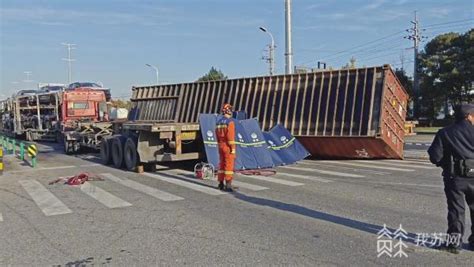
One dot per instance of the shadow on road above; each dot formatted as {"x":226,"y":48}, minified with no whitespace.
{"x":319,"y":215}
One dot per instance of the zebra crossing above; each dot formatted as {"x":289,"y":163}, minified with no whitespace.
{"x":287,"y":176}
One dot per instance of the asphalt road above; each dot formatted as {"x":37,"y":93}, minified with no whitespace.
{"x":313,"y":213}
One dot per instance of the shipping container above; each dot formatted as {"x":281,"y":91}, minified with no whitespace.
{"x":347,"y":113}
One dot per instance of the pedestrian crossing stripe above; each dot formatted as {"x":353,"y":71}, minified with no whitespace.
{"x":32,"y":150}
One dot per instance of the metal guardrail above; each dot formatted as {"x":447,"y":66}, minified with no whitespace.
{"x":9,"y":147}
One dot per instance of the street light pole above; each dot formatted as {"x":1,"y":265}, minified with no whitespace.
{"x":156,"y":71}
{"x":271,"y":51}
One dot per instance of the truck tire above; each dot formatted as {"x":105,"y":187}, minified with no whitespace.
{"x":105,"y":151}
{"x":67,"y":147}
{"x":117,"y":151}
{"x":130,"y":154}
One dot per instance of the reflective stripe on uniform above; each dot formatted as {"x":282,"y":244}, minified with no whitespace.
{"x":221,"y":126}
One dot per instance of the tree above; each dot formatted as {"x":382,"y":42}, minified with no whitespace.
{"x":117,"y":103}
{"x":213,"y":75}
{"x":446,"y":72}
{"x":407,"y":82}
{"x":351,"y":64}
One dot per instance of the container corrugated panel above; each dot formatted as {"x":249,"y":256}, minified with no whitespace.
{"x":351,"y":113}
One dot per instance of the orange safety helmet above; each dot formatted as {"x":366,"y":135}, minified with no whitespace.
{"x":227,"y":109}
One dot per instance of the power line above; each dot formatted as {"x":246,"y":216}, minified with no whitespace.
{"x":448,"y":22}
{"x":355,"y":47}
{"x":392,"y":35}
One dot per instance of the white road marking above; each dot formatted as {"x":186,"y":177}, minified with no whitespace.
{"x":369,"y":166}
{"x":1,"y":217}
{"x":45,"y":168}
{"x":252,"y":187}
{"x":383,"y":162}
{"x":422,"y":162}
{"x":90,"y":165}
{"x":103,"y":196}
{"x":240,"y":184}
{"x":313,"y":163}
{"x":306,"y":177}
{"x":343,"y":174}
{"x":273,"y":180}
{"x":162,"y":195}
{"x":46,"y":201}
{"x":190,"y":185}
{"x":407,"y":184}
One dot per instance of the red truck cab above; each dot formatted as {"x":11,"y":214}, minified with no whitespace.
{"x":83,"y":105}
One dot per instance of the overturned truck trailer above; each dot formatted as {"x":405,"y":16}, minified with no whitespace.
{"x":349,"y":113}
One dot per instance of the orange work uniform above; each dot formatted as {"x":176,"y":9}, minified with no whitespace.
{"x":225,"y":132}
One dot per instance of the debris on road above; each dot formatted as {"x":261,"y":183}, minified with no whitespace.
{"x":77,"y":179}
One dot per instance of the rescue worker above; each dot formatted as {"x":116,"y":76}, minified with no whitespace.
{"x":225,"y":132}
{"x":453,"y":150}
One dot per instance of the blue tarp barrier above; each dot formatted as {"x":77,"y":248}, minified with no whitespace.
{"x":208,"y":123}
{"x":239,"y":115}
{"x":255,"y":149}
{"x":255,"y":140}
{"x":284,"y":147}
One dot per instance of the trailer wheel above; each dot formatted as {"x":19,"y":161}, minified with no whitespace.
{"x":130,"y":154}
{"x":117,"y":151}
{"x":67,"y":147}
{"x":105,"y":149}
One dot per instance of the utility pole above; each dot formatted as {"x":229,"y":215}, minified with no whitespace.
{"x":271,"y":52}
{"x":416,"y":37}
{"x":28,"y":74}
{"x":288,"y":50}
{"x":69,"y":59}
{"x":402,"y":60}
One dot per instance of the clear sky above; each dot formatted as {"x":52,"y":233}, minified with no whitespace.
{"x":184,"y":38}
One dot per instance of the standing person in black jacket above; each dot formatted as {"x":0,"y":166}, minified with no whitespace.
{"x":453,"y":150}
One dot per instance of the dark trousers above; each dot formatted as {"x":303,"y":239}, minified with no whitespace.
{"x":457,"y":190}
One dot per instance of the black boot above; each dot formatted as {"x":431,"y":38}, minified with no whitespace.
{"x":471,"y":245}
{"x":450,"y":248}
{"x":228,"y":187}
{"x":221,"y":186}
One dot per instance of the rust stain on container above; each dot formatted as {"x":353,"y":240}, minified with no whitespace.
{"x":350,"y":113}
